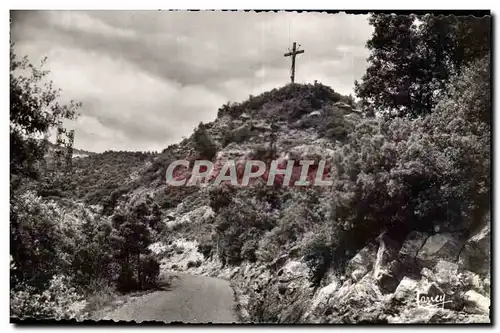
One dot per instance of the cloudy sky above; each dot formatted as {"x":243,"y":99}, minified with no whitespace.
{"x":147,"y":78}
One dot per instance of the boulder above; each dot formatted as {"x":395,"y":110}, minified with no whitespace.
{"x":406,"y":291}
{"x":320,"y":300}
{"x":476,"y":303}
{"x":387,"y":282}
{"x":476,"y":254}
{"x":360,"y":302}
{"x":419,"y":315}
{"x":293,"y":270}
{"x":414,"y":241}
{"x":446,"y":275}
{"x":361,"y":263}
{"x":439,"y":247}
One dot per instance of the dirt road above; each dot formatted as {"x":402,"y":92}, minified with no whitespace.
{"x":191,"y":299}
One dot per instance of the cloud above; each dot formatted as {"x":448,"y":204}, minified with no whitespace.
{"x":147,"y":78}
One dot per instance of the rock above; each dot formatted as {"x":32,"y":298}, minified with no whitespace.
{"x":425,"y":272}
{"x":406,"y":290}
{"x":476,"y":303}
{"x":435,"y":316}
{"x":476,"y":254}
{"x":405,"y":267}
{"x":358,"y":274}
{"x":293,"y":270}
{"x":278,"y":262}
{"x":361,"y":263}
{"x":439,"y":247}
{"x":419,"y":315}
{"x":357,"y":302}
{"x":412,"y":244}
{"x":446,"y":275}
{"x":199,"y":215}
{"x":323,"y":296}
{"x":387,"y":282}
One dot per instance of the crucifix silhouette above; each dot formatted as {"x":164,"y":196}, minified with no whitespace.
{"x":293,"y":53}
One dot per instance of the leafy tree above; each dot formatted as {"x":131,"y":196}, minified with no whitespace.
{"x":34,"y":112}
{"x":130,"y":238}
{"x":204,"y":144}
{"x":413,"y":58}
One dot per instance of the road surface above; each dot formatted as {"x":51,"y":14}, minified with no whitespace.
{"x":191,"y":299}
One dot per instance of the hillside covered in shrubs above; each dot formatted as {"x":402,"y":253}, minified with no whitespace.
{"x":408,"y":210}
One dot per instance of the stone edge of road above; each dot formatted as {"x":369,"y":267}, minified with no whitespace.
{"x":239,"y":307}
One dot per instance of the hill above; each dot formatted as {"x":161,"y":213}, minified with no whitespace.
{"x":292,"y":249}
{"x":307,"y":253}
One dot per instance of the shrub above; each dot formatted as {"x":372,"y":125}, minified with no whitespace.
{"x":203,"y":143}
{"x":206,"y":249}
{"x":150,"y":269}
{"x":58,"y":301}
{"x":318,"y":255}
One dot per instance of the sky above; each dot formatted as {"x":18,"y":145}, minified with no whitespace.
{"x":147,"y":78}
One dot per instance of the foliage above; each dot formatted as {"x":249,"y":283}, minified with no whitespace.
{"x":288,"y":103}
{"x":239,"y":222}
{"x":318,"y":256}
{"x":130,"y":238}
{"x":410,"y":64}
{"x":34,"y":112}
{"x":58,"y":301}
{"x":203,"y":143}
{"x":423,"y":173}
{"x":330,"y":123}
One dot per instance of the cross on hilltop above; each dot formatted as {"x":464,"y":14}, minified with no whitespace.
{"x":293,"y":53}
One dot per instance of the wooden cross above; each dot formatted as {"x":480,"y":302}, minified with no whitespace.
{"x":293,"y":54}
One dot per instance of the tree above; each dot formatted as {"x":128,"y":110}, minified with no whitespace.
{"x":130,"y":238}
{"x":204,"y":144}
{"x":413,"y":58}
{"x":34,"y":112}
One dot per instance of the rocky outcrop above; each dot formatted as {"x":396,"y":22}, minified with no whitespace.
{"x":476,"y":254}
{"x":200,"y":215}
{"x":361,"y":263}
{"x":445,"y":246}
{"x":357,"y":302}
{"x":422,"y":283}
{"x":476,"y":303}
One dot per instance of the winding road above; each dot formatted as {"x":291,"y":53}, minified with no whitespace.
{"x":191,"y":299}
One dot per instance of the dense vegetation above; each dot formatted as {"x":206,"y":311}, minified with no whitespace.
{"x":426,"y":169}
{"x":423,"y":171}
{"x":62,"y":251}
{"x":413,"y":58}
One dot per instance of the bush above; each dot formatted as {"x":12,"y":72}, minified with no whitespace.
{"x":417,"y":174}
{"x":58,"y":301}
{"x":203,"y":143}
{"x":150,"y":269}
{"x":206,"y":249}
{"x":191,"y":263}
{"x":318,"y":255}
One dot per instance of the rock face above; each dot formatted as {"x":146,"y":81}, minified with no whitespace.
{"x":476,"y":303}
{"x":476,"y":254}
{"x":361,"y":263}
{"x":358,"y":302}
{"x":422,"y":283}
{"x":439,"y":247}
{"x":200,"y":215}
{"x":413,"y":244}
